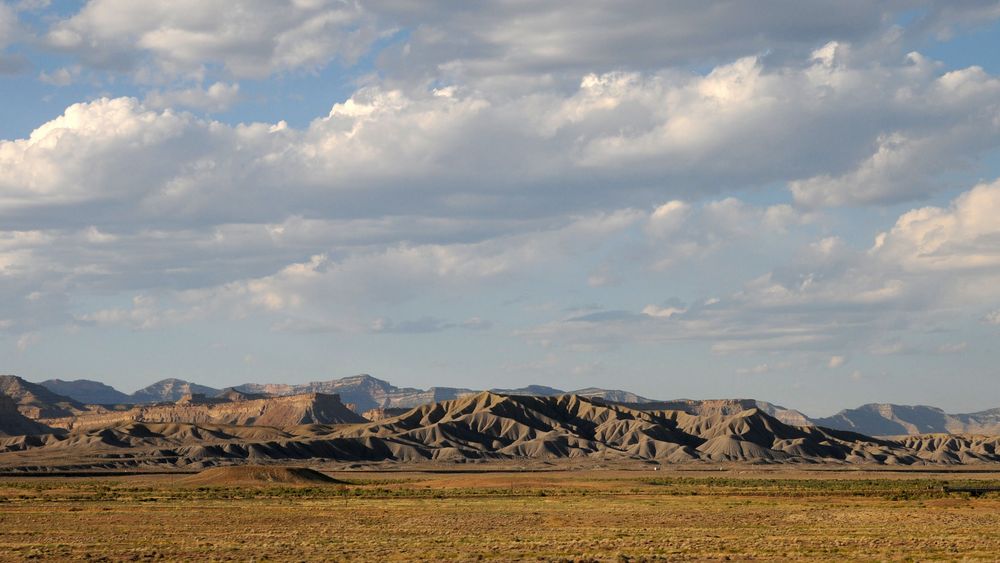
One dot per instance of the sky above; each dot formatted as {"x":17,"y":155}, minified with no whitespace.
{"x":792,"y":201}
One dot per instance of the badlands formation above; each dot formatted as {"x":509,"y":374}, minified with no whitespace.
{"x":240,"y":429}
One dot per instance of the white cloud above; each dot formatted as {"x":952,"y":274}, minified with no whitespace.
{"x":298,"y":296}
{"x":515,"y":44}
{"x":510,"y":46}
{"x":662,"y":312}
{"x":761,"y":369}
{"x":63,"y":76}
{"x":929,"y":270}
{"x":961,"y":237}
{"x":28,"y":340}
{"x":413,"y":186}
{"x":10,"y":32}
{"x":668,"y":218}
{"x":385,"y":151}
{"x":679,"y":231}
{"x":953,"y":348}
{"x":248,"y":38}
{"x":217,"y":97}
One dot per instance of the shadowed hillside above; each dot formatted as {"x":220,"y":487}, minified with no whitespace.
{"x":13,"y":423}
{"x":36,"y":401}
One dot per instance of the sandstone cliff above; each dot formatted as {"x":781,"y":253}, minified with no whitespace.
{"x":293,"y":410}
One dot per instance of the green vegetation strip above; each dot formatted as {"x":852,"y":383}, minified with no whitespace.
{"x":893,"y":489}
{"x":890,"y":489}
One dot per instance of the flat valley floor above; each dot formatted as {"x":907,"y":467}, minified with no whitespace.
{"x":505,"y":513}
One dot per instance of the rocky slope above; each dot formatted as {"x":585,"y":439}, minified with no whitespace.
{"x":725,"y":407}
{"x":489,"y":426}
{"x":35,"y":401}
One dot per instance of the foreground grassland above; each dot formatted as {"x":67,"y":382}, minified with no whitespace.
{"x":558,"y":515}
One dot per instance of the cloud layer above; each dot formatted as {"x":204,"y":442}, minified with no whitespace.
{"x":796,"y":188}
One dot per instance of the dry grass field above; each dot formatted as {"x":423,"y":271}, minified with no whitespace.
{"x":555,"y":515}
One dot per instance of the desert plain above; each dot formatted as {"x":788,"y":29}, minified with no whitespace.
{"x":552,"y":511}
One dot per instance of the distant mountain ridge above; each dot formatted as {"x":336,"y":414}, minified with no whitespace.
{"x":363,"y":391}
{"x":87,"y":391}
{"x":171,"y":390}
{"x":886,"y":419}
{"x":367,"y":393}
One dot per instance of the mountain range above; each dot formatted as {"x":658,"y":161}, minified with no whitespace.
{"x":481,"y":427}
{"x":56,"y":398}
{"x":363,"y":391}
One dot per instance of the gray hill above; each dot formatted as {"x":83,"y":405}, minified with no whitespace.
{"x":365,"y":393}
{"x":87,"y":391}
{"x":368,"y":393}
{"x":885,"y":419}
{"x":169,"y":391}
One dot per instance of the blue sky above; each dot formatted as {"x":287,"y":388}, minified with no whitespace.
{"x":792,"y":202}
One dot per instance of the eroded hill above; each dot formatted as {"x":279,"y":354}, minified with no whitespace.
{"x":235,"y":409}
{"x":482,"y":427}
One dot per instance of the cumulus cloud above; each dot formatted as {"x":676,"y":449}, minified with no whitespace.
{"x":387,"y":152}
{"x":10,"y":32}
{"x":679,"y":232}
{"x":510,"y":46}
{"x":63,"y":76}
{"x":217,"y":97}
{"x":247,"y":38}
{"x":992,"y":318}
{"x":516,"y":44}
{"x":935,"y":263}
{"x":28,"y":340}
{"x":577,"y":132}
{"x":962,"y":237}
{"x":298,"y":295}
{"x":905,"y":164}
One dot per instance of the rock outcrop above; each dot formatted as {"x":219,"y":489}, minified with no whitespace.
{"x":35,"y":401}
{"x":294,"y":410}
{"x":379,"y":413}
